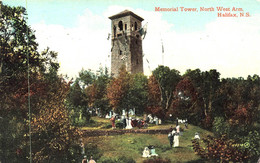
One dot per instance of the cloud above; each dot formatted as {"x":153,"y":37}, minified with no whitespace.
{"x":84,"y":46}
{"x":229,"y":45}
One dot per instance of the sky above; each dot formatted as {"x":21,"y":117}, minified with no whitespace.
{"x":78,"y":31}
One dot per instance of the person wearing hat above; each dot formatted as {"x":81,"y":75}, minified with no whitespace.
{"x":85,"y":160}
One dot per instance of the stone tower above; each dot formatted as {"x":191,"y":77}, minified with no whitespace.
{"x":126,"y":42}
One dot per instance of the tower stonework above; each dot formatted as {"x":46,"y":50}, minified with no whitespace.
{"x":126,"y":42}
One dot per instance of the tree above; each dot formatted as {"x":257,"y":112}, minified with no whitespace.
{"x":206,"y":84}
{"x":52,"y":134}
{"x":20,"y":61}
{"x":128,"y":91}
{"x":117,"y":91}
{"x":165,"y":80}
{"x":138,"y":93}
{"x":97,"y":92}
{"x":240,"y":103}
{"x":186,"y":103}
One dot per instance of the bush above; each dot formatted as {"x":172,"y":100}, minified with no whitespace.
{"x":157,"y":160}
{"x":220,"y":126}
{"x":119,"y":125}
{"x":222,"y":149}
{"x":92,"y":150}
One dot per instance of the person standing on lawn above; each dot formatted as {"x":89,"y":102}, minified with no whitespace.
{"x":176,"y":139}
{"x":170,"y":137}
{"x":113,"y":120}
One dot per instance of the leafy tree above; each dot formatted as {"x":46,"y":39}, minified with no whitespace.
{"x":186,"y":101}
{"x":154,"y":98}
{"x":117,"y":91}
{"x":211,"y":83}
{"x":128,"y":91}
{"x":164,"y":80}
{"x":17,"y":45}
{"x":97,"y":92}
{"x":138,"y":93}
{"x":86,"y":78}
{"x":206,"y":84}
{"x":240,"y":103}
{"x":52,"y":134}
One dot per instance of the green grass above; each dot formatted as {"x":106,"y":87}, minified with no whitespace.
{"x":132,"y":145}
{"x":97,"y":123}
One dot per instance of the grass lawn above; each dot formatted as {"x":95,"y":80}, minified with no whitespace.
{"x":132,"y":145}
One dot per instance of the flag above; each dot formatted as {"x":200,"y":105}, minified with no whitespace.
{"x":143,"y":31}
{"x":162,"y":46}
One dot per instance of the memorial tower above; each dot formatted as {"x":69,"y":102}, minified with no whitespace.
{"x":126,"y":42}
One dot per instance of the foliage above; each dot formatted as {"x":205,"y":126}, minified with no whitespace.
{"x":186,"y":101}
{"x":88,"y":93}
{"x":97,"y":91}
{"x":47,"y":92}
{"x":93,"y":150}
{"x":117,"y":91}
{"x":222,"y":149}
{"x":161,"y":87}
{"x":127,"y":92}
{"x":77,"y":105}
{"x":206,"y":85}
{"x":252,"y":143}
{"x":138,"y":93}
{"x":157,"y":160}
{"x":220,"y":126}
{"x":240,"y":101}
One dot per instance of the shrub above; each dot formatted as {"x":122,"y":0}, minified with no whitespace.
{"x":220,"y":126}
{"x":222,"y":149}
{"x":92,"y":150}
{"x":157,"y":160}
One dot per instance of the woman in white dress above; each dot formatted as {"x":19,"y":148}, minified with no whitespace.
{"x":128,"y":123}
{"x":146,"y":152}
{"x":175,"y":139}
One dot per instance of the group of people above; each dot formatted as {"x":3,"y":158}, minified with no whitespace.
{"x":129,"y":123}
{"x":149,"y":151}
{"x":85,"y":160}
{"x":173,"y":136}
{"x":174,"y":133}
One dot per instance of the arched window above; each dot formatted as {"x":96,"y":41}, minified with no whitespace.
{"x":120,"y":25}
{"x":125,"y":26}
{"x":135,"y":26}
